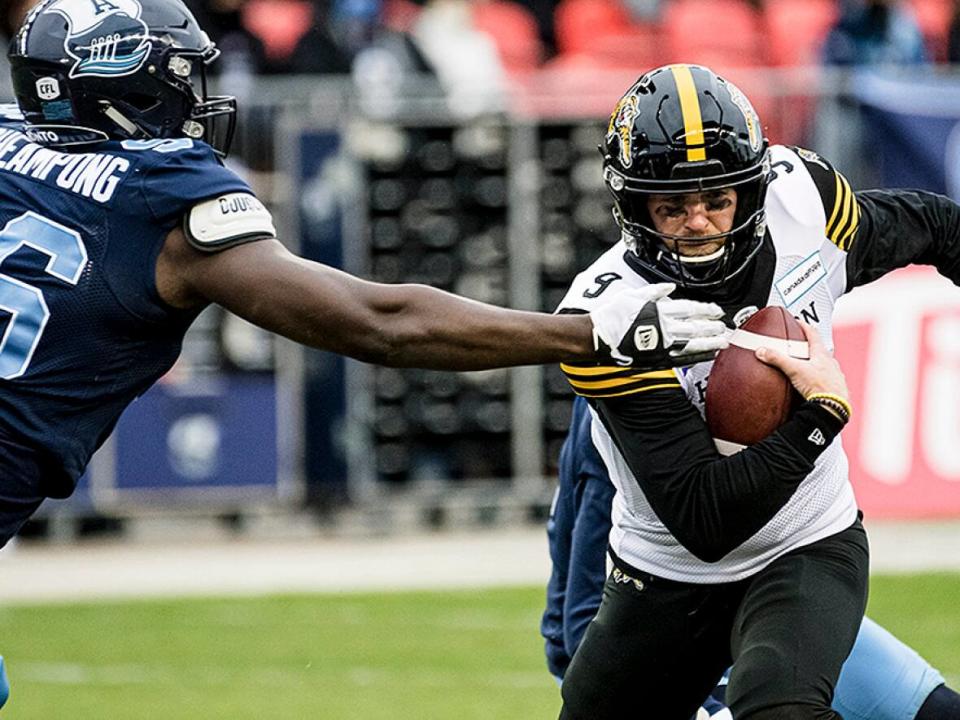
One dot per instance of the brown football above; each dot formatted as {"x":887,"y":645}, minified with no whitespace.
{"x":747,"y":399}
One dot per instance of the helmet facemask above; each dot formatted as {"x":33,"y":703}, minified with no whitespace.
{"x":663,"y":253}
{"x":682,"y":130}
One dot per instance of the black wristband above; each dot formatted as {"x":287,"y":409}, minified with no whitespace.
{"x":811,"y":430}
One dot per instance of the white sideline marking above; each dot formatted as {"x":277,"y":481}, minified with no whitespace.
{"x":438,"y":561}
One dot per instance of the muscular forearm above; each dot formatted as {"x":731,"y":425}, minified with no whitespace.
{"x":424,"y":327}
{"x":397,"y":325}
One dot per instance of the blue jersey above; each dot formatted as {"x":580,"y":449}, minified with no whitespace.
{"x":883,"y":679}
{"x":84,"y":329}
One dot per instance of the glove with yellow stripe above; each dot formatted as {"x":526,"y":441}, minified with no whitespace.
{"x":645,"y":328}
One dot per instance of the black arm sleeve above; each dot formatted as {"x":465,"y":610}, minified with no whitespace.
{"x":900,"y":227}
{"x":711,"y":504}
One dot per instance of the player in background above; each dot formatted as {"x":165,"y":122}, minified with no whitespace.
{"x":119,"y":224}
{"x":759,"y":559}
{"x":883,"y":679}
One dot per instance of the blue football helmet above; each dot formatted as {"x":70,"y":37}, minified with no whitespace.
{"x":85,"y":71}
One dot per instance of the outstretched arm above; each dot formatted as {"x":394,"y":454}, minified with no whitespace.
{"x":397,"y":325}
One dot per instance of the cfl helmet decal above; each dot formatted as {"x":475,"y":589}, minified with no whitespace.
{"x":105,"y":38}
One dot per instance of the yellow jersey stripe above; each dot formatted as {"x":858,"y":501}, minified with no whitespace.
{"x":690,"y":107}
{"x":594,"y":370}
{"x":836,"y":229}
{"x":848,"y":236}
{"x":632,"y":391}
{"x":837,"y":202}
{"x":611,"y":383}
{"x":850,"y":219}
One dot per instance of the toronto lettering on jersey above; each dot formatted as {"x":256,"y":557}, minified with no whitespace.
{"x":91,"y":175}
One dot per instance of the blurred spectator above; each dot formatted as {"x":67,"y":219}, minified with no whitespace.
{"x":243,"y":53}
{"x":338,"y":30}
{"x":465,"y":59}
{"x":953,"y":37}
{"x":874,"y":32}
{"x":12,"y":13}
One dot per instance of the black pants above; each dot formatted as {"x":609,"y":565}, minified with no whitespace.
{"x":657,"y":647}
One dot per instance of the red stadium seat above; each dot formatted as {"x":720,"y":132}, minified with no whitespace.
{"x":513,"y":29}
{"x":278,"y":23}
{"x":796,"y":30}
{"x":578,"y":23}
{"x":933,"y":17}
{"x":717,"y":32}
{"x":603,"y":30}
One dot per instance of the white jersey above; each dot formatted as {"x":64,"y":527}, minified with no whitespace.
{"x":809,"y":278}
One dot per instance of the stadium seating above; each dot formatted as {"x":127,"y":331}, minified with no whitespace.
{"x":278,"y":23}
{"x":933,"y":17}
{"x":796,"y":29}
{"x":603,"y":31}
{"x":714,"y":32}
{"x":514,"y":31}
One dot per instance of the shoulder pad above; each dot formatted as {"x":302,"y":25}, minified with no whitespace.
{"x":840,"y":207}
{"x":226,"y":221}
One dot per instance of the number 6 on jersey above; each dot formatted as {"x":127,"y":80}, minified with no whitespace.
{"x":25,"y":303}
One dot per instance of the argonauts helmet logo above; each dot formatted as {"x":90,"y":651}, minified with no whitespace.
{"x":106,"y":38}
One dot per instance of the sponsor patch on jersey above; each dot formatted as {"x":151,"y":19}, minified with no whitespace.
{"x":105,"y":38}
{"x":227,"y":221}
{"x":621,"y":124}
{"x":800,"y":279}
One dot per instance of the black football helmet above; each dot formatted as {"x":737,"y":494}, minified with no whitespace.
{"x":85,"y":71}
{"x":682,"y":129}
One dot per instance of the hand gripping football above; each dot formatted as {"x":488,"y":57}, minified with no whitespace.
{"x":747,"y":399}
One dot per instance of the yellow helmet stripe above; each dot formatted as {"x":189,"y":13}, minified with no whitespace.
{"x":690,"y":107}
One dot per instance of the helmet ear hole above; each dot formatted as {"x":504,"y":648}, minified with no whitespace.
{"x":140,"y":101}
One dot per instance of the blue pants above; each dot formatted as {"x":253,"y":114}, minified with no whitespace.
{"x":4,"y":685}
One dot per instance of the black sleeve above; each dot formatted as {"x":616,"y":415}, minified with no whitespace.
{"x":882,"y":230}
{"x":900,"y":227}
{"x":711,"y":504}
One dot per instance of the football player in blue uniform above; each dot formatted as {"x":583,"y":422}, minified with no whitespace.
{"x":119,"y":223}
{"x":883,"y":679}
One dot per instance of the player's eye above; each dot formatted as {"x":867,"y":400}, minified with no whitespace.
{"x":719,"y":203}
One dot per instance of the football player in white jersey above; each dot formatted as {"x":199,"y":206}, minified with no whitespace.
{"x":760,"y":557}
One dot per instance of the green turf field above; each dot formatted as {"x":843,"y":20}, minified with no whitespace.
{"x":400,"y":656}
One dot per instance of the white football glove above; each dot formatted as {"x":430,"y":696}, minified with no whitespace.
{"x":645,"y":328}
